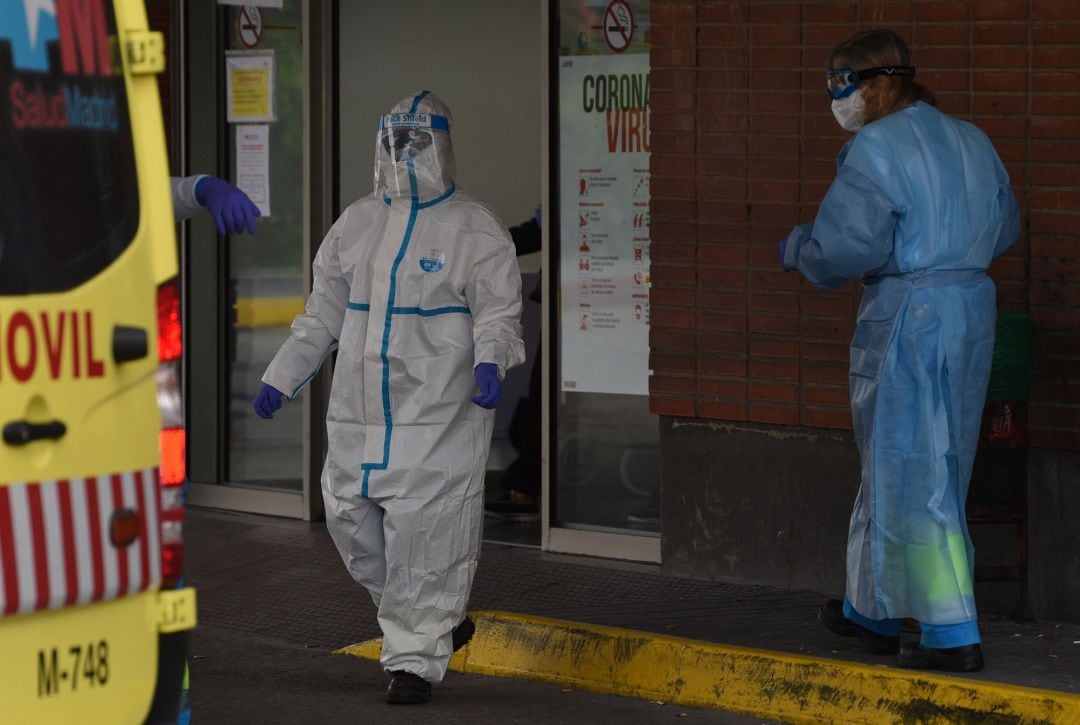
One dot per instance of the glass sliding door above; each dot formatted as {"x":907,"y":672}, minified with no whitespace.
{"x":604,"y":464}
{"x":266,"y":271}
{"x":258,"y":114}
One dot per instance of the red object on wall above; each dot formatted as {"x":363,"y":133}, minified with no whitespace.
{"x":1004,"y":425}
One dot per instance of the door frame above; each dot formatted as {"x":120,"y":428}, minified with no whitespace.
{"x":203,"y":150}
{"x":554,"y":538}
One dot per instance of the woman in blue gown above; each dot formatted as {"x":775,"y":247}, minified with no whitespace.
{"x":920,"y":206}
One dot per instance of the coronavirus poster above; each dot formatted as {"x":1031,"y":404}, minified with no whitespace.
{"x":604,"y":203}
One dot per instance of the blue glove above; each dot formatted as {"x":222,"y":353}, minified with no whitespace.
{"x":783,"y":251}
{"x":487,"y":379}
{"x":267,"y":401}
{"x":231,"y":208}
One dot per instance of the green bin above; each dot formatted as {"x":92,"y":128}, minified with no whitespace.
{"x":1010,"y":373}
{"x":1000,"y":470}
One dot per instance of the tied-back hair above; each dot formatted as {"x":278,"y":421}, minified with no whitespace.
{"x":874,"y":49}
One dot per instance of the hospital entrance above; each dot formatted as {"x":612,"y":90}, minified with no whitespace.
{"x":286,"y":106}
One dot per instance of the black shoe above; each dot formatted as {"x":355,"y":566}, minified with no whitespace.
{"x":950,"y":659}
{"x":515,"y":513}
{"x":831,"y":614}
{"x":407,"y":689}
{"x":463,"y":633}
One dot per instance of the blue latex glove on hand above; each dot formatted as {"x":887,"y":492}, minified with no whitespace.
{"x":783,"y":251}
{"x":487,"y":379}
{"x":231,"y":208}
{"x":267,"y":401}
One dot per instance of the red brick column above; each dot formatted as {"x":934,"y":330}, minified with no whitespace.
{"x":1052,"y":197}
{"x":673,"y":209}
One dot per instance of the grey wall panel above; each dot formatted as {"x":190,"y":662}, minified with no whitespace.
{"x":757,"y":504}
{"x":482,"y":57}
{"x":1054,"y":535}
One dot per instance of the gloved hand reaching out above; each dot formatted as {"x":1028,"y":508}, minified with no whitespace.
{"x":487,"y":379}
{"x":267,"y":401}
{"x":231,"y":208}
{"x":783,"y":251}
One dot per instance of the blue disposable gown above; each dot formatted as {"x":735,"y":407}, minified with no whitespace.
{"x":920,"y":206}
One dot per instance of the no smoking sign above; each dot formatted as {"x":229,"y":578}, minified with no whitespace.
{"x":618,"y":25}
{"x":249,"y":25}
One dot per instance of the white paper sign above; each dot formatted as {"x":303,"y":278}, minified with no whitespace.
{"x":253,"y":164}
{"x":604,"y":198}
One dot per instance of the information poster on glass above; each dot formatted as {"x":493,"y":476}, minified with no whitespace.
{"x":249,"y":86}
{"x":604,"y":200}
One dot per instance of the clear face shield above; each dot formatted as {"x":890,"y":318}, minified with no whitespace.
{"x":413,"y":154}
{"x":405,"y":143}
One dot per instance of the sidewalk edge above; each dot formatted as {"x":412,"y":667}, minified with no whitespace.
{"x":761,"y":683}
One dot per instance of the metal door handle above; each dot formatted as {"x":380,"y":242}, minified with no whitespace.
{"x":21,"y":432}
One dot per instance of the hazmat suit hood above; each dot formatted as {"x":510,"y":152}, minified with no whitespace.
{"x":413,"y":155}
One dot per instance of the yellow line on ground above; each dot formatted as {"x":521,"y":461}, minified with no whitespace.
{"x":766,"y":684}
{"x":267,"y":311}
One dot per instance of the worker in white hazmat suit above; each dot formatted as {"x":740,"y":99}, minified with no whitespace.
{"x":417,"y":285}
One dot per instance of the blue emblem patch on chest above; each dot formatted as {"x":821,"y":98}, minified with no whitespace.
{"x":433,"y":261}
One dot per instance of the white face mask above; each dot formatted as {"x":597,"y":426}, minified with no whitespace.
{"x":848,"y":111}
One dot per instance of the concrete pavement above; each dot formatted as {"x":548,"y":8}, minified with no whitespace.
{"x":274,"y":583}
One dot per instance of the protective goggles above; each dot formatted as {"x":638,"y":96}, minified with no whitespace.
{"x":842,"y":82}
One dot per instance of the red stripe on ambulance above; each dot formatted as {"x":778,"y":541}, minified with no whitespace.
{"x":67,"y":519}
{"x":153,"y":514}
{"x":98,"y":558}
{"x":41,"y":555}
{"x":144,"y":544}
{"x":121,"y":559}
{"x":10,"y":594}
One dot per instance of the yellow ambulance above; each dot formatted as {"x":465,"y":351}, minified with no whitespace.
{"x":92,"y":624}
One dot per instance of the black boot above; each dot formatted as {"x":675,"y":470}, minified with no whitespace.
{"x":950,"y":659}
{"x":831,"y":614}
{"x":407,"y":689}
{"x":463,"y":633}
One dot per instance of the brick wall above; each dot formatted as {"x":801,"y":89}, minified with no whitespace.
{"x":744,"y":146}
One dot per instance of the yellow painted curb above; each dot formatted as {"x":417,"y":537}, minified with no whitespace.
{"x":757,"y":682}
{"x":267,"y":311}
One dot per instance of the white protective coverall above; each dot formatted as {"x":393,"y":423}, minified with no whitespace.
{"x":416,"y":285}
{"x":185,"y":205}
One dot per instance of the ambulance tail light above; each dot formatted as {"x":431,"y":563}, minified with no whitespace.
{"x":172,"y":438}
